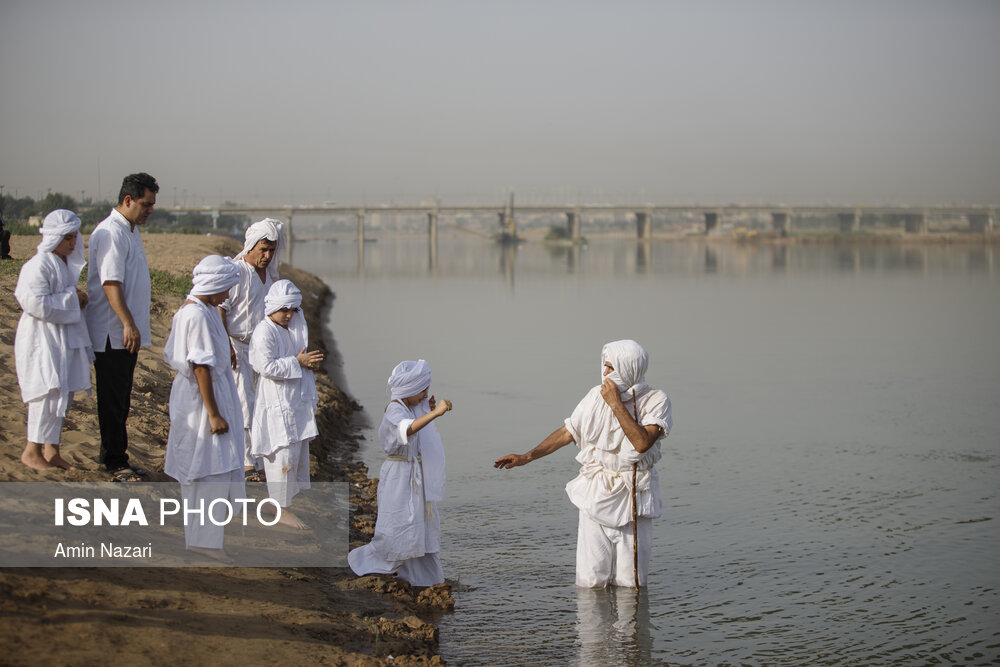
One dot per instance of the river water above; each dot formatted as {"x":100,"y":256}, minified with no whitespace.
{"x":831,"y":482}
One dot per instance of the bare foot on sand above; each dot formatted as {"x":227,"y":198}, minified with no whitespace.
{"x":290,"y":520}
{"x":32,"y":457}
{"x":217,"y":554}
{"x":53,"y":458}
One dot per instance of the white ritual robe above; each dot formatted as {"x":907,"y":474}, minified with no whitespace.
{"x":244,"y":311}
{"x":284,"y":410}
{"x":408,"y":530}
{"x":52,"y":351}
{"x":603,"y":489}
{"x":207,"y":465}
{"x":193,"y":451}
{"x":286,"y":392}
{"x":116,"y":253}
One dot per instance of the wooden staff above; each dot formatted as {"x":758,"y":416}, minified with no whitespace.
{"x":635,"y":509}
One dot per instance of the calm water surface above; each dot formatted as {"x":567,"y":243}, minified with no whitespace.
{"x":831,"y":483}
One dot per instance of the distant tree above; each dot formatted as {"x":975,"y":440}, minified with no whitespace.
{"x":53,"y":201}
{"x":17,"y":209}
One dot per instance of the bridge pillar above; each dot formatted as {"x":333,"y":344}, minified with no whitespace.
{"x":643,"y":228}
{"x":361,"y":241}
{"x":289,"y":239}
{"x":980,"y":223}
{"x":711,"y":221}
{"x":915,"y":223}
{"x":573,"y":224}
{"x":781,"y":222}
{"x":849,"y":222}
{"x":432,"y":237}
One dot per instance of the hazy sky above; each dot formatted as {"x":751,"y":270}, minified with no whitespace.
{"x":870,"y":101}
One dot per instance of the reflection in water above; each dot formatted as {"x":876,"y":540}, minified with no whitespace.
{"x":711,"y":260}
{"x":612,"y":626}
{"x":642,"y":255}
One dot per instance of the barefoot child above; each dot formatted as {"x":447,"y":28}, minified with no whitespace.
{"x":283,"y":421}
{"x":408,"y":530}
{"x":205,"y":445}
{"x":51,"y":347}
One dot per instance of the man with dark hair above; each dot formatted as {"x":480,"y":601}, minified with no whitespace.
{"x":118,"y":315}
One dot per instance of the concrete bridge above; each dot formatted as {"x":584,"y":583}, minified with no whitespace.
{"x":981,"y":219}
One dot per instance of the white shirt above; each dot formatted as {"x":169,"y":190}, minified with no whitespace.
{"x":245,"y":305}
{"x":116,"y":253}
{"x":603,"y":489}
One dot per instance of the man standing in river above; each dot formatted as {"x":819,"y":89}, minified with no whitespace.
{"x":617,"y":426}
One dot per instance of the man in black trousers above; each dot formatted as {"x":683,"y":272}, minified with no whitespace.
{"x":118,"y":315}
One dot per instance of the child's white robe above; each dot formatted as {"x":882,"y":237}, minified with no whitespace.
{"x":52,"y":346}
{"x":284,"y":409}
{"x":197,"y":336}
{"x":285,"y":406}
{"x":407,"y":537}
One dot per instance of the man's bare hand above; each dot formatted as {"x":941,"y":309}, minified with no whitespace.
{"x":510,"y":461}
{"x":610,"y":394}
{"x":131,"y":338}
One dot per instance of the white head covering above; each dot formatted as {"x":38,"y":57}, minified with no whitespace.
{"x":213,"y":275}
{"x":409,"y":378}
{"x":283,"y":294}
{"x":270,"y":229}
{"x":630,"y":361}
{"x":55,"y":227}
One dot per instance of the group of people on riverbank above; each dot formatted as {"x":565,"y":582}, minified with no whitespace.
{"x":244,"y":398}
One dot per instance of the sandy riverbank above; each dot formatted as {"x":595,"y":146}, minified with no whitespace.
{"x":222,"y":616}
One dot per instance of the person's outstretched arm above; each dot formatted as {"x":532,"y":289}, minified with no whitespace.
{"x":556,"y":440}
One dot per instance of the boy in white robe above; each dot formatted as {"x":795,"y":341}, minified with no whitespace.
{"x":617,"y":426}
{"x":205,"y":444}
{"x":52,"y":350}
{"x":407,"y":538}
{"x":283,"y":419}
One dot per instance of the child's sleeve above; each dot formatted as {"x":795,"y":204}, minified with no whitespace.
{"x":265,"y":360}
{"x":392,"y":433}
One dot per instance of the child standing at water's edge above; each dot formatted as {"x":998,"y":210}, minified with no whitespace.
{"x":284,"y":408}
{"x":407,"y":537}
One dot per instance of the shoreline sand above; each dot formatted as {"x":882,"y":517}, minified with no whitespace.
{"x":226,"y":616}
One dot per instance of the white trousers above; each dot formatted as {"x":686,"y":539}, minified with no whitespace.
{"x":201,"y":531}
{"x":604,"y":555}
{"x":246,"y":389}
{"x":45,"y":417}
{"x":287,"y":472}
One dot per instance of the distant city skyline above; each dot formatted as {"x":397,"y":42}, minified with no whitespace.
{"x":775,"y":101}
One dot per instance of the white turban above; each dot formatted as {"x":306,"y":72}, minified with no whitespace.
{"x":54,"y":229}
{"x":409,"y":378}
{"x":214,"y":275}
{"x":629,"y":361}
{"x":283,"y":294}
{"x":270,"y":229}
